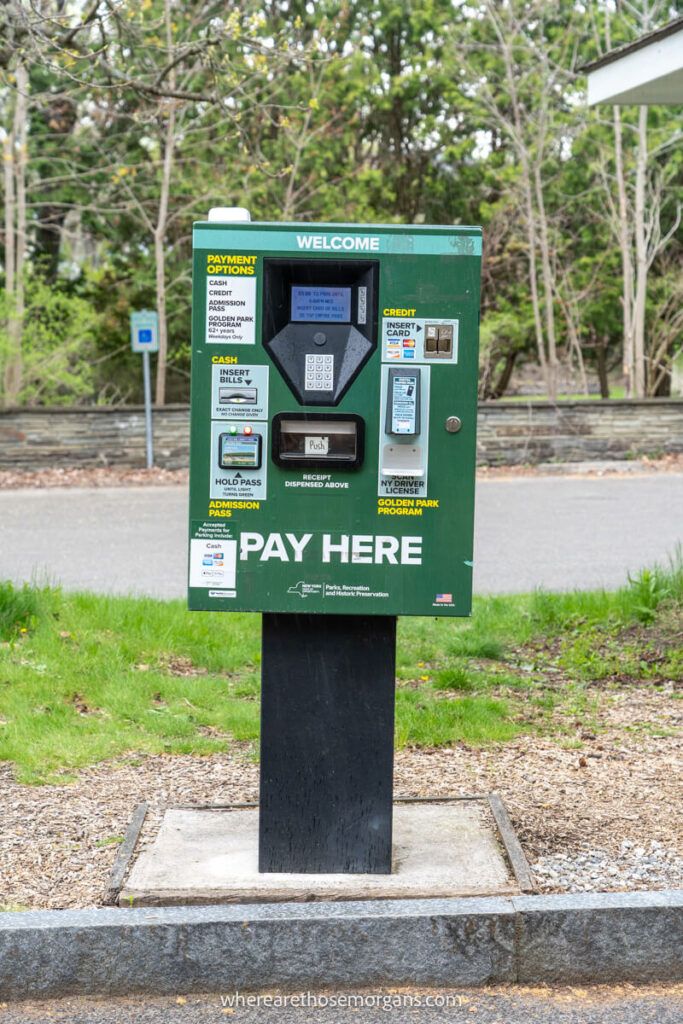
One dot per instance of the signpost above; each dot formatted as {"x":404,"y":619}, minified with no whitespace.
{"x":334,"y":407}
{"x":144,"y":338}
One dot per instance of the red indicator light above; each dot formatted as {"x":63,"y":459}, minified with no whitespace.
{"x":248,"y":430}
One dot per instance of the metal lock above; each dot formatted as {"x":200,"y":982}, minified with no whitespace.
{"x":453,"y":424}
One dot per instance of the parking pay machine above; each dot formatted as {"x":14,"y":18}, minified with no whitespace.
{"x":334,"y":403}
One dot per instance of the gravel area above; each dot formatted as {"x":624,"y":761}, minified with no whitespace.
{"x":575,"y":810}
{"x":632,"y":867}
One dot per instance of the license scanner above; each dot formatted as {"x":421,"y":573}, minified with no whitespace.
{"x":403,"y":402}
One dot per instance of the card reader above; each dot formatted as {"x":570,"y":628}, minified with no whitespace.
{"x":403,"y":402}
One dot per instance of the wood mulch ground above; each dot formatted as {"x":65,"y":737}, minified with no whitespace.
{"x":97,"y":476}
{"x":626,"y":783}
{"x":111,"y":476}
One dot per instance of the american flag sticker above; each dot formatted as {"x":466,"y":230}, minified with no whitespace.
{"x":443,"y":599}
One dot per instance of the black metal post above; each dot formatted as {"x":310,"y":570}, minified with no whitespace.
{"x":327,"y":742}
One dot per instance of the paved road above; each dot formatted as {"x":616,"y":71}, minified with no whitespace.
{"x":554,"y":532}
{"x":506,"y":1006}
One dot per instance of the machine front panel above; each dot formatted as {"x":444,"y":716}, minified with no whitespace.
{"x":327,"y":360}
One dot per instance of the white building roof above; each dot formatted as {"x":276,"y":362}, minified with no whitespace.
{"x":650,"y":70}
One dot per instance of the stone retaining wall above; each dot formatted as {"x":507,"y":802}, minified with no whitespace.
{"x":513,"y":433}
{"x":510,"y":433}
{"x":92,"y":436}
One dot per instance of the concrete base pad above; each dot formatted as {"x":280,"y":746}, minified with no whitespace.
{"x":211,"y":856}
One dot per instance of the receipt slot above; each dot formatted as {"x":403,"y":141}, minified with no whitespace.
{"x":333,"y":445}
{"x":318,"y":441}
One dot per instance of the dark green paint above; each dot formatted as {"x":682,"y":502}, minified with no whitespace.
{"x":438,"y":286}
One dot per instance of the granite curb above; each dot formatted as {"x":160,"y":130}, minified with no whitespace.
{"x":615,"y":937}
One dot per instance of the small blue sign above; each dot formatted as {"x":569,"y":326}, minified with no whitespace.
{"x":144,"y":330}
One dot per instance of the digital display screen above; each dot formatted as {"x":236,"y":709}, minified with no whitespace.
{"x":321,"y":304}
{"x":240,"y":451}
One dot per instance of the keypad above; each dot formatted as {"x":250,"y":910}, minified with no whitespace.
{"x":319,"y":372}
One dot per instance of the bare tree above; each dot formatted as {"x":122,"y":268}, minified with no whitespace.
{"x":15,"y":153}
{"x":623,"y":232}
{"x":206,"y":71}
{"x":522,"y":108}
{"x":620,"y":221}
{"x":636,"y":214}
{"x":169,"y":143}
{"x":30,"y":34}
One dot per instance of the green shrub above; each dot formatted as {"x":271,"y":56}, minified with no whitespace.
{"x":58,"y":353}
{"x":651,"y":588}
{"x":20,"y":609}
{"x":454,"y":678}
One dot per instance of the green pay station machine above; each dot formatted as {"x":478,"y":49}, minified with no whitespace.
{"x":333,"y":443}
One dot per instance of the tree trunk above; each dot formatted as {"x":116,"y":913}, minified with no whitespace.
{"x":161,"y":225}
{"x":17,"y":206}
{"x":639,"y":376}
{"x":59,"y":118}
{"x":548,"y":287}
{"x":503,"y":382}
{"x":528,"y":130}
{"x":601,"y":364}
{"x":162,"y":355}
{"x":533,"y":276}
{"x":575,"y":346}
{"x":10,"y":244}
{"x":623,"y":233}
{"x":626,"y":260}
{"x":662,"y":383}
{"x":572,"y":318}
{"x":289,"y":204}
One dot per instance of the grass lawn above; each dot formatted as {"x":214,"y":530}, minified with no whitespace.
{"x":85,"y":678}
